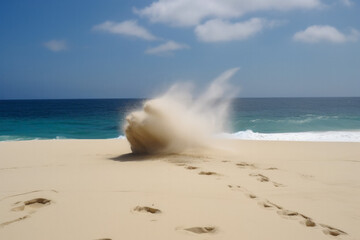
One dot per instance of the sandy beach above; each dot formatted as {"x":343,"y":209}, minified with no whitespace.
{"x":95,"y":189}
{"x":180,"y":120}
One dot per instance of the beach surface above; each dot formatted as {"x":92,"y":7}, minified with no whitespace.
{"x":96,"y":189}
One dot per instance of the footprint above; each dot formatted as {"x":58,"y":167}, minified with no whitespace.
{"x":244,"y":191}
{"x":26,"y":208}
{"x":244,"y":165}
{"x":250,"y":195}
{"x":260,"y":177}
{"x":271,"y":168}
{"x":263,"y":178}
{"x":309,"y":223}
{"x":32,"y":204}
{"x":278,"y":184}
{"x":191,"y":167}
{"x":267,"y":204}
{"x":288,"y":213}
{"x":331,"y":230}
{"x":147,"y":209}
{"x":207,"y":173}
{"x":201,"y":230}
{"x":29,"y":206}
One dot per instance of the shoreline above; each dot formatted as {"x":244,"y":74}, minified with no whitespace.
{"x":95,"y":189}
{"x":276,"y":137}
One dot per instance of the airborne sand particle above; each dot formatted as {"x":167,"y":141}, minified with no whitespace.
{"x":177,"y":120}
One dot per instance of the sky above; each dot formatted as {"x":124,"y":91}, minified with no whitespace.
{"x":129,"y":49}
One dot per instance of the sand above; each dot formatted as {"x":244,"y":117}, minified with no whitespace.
{"x":95,"y":189}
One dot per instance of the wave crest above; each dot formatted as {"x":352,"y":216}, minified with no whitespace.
{"x":329,"y":136}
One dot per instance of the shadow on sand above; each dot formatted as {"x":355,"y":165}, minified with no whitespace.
{"x":132,"y":157}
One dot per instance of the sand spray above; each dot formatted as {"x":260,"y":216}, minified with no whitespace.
{"x":176,"y":120}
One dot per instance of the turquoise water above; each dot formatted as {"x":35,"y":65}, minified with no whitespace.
{"x":251,"y":118}
{"x":280,"y":115}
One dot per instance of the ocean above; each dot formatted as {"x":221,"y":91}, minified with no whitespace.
{"x":291,"y":119}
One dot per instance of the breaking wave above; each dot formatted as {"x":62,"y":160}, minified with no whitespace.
{"x":329,"y":136}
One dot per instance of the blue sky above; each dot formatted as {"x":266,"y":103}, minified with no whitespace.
{"x":121,"y":49}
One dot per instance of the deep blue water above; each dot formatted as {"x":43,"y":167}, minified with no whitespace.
{"x":102,"y":118}
{"x":49,"y":119}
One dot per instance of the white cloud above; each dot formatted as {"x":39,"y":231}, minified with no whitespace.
{"x":166,"y":48}
{"x":218,"y":30}
{"x":192,"y":12}
{"x":325,"y":33}
{"x":129,"y":28}
{"x":56,"y":45}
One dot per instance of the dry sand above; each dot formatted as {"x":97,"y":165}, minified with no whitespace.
{"x":95,"y":189}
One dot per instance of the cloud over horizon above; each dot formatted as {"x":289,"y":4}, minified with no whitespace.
{"x":172,"y":12}
{"x":129,"y":28}
{"x":325,"y":33}
{"x":218,"y":30}
{"x":215,"y":21}
{"x":56,"y":45}
{"x":166,"y":48}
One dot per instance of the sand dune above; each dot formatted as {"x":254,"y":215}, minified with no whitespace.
{"x":95,"y":189}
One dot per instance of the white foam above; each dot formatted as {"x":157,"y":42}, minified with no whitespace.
{"x":9,"y":138}
{"x":330,"y":136}
{"x":60,"y":137}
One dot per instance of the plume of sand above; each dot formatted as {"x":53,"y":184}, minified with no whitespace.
{"x":176,"y":120}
